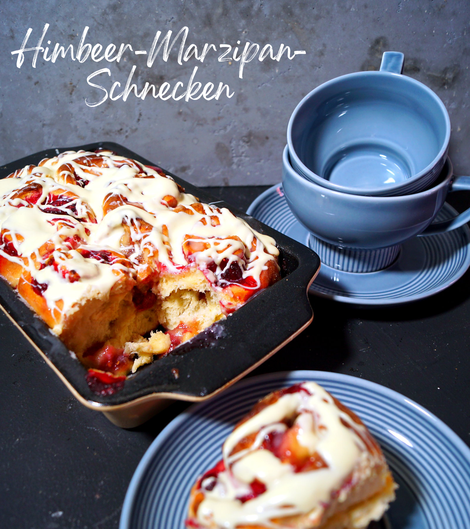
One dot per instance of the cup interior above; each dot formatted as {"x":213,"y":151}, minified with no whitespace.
{"x":368,"y":131}
{"x":367,"y":165}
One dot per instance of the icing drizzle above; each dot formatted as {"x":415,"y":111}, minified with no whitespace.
{"x":78,"y":221}
{"x":281,"y":488}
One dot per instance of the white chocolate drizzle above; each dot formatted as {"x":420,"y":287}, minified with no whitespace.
{"x":323,"y":428}
{"x":151,"y":215}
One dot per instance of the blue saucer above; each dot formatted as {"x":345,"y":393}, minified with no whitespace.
{"x":425,"y":265}
{"x":429,"y":462}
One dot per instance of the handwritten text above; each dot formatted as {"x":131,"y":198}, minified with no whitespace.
{"x":165,"y":46}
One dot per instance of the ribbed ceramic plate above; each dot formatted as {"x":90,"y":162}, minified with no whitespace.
{"x":430,"y":463}
{"x":206,"y":364}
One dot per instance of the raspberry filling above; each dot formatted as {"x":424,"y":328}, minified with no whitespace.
{"x":103,"y":256}
{"x":60,"y":205}
{"x":108,"y":358}
{"x":38,"y":288}
{"x":143,"y":300}
{"x":104,"y":384}
{"x":257,"y":488}
{"x":209,"y":480}
{"x":8,"y":247}
{"x":82,"y":182}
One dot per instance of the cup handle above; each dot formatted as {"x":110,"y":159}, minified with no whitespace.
{"x":460,"y":183}
{"x":392,"y":61}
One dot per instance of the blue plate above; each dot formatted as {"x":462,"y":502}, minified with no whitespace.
{"x":424,"y":266}
{"x":430,"y":463}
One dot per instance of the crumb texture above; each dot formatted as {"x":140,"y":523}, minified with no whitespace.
{"x":119,"y":261}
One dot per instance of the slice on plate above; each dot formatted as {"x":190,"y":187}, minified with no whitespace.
{"x":300,"y":459}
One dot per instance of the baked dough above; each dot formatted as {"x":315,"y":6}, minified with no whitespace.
{"x":299,"y":460}
{"x":119,"y":261}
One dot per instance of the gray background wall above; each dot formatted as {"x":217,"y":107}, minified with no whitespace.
{"x":230,"y":141}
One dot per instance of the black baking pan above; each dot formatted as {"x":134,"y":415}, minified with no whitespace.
{"x":203,"y":366}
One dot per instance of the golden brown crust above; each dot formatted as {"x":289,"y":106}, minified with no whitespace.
{"x":363,"y":494}
{"x":166,"y":260}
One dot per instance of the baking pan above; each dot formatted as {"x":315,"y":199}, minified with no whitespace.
{"x":201,"y":367}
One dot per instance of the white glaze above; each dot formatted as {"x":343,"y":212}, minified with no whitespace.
{"x":321,"y":428}
{"x":30,"y":227}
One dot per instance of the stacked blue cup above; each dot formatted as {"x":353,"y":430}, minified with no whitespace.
{"x":366,"y":167}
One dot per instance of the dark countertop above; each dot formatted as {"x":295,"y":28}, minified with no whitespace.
{"x":65,"y":466}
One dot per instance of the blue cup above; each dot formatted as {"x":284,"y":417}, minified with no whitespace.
{"x":377,"y":133}
{"x":357,"y":233}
